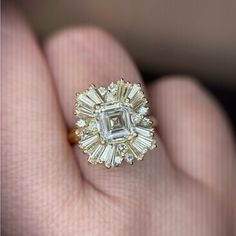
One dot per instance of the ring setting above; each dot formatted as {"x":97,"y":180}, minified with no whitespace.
{"x":113,"y":124}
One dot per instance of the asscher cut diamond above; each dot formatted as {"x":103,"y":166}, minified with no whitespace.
{"x":114,"y":121}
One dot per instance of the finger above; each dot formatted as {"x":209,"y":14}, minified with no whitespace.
{"x":194,"y":131}
{"x":79,"y":57}
{"x":38,"y":169}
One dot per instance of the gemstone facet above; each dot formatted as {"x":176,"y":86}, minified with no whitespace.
{"x":114,"y":123}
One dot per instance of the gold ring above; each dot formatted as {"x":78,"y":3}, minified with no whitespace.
{"x":113,"y":124}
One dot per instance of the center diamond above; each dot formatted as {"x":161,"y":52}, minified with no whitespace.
{"x":114,"y":122}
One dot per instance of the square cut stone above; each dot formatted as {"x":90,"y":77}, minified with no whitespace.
{"x":114,"y":122}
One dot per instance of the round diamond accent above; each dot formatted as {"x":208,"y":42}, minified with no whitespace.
{"x":118,"y":160}
{"x":122,"y":147}
{"x":113,"y":88}
{"x":136,"y":118}
{"x":129,"y":159}
{"x":92,"y":126}
{"x":83,"y":135}
{"x":146,"y":121}
{"x":80,"y":123}
{"x":109,"y":97}
{"x":143,"y":110}
{"x":102,"y":91}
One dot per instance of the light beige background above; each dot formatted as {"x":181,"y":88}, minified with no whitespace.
{"x":165,"y":36}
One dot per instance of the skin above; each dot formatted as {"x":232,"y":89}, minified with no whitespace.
{"x":184,"y":187}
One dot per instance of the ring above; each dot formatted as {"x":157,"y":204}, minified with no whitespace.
{"x":113,"y":124}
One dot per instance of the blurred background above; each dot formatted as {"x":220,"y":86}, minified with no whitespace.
{"x":163,"y":36}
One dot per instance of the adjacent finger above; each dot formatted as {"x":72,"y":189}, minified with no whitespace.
{"x":38,"y":169}
{"x":194,"y":131}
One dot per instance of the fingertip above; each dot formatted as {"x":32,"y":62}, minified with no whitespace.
{"x":100,"y":54}
{"x":177,"y":82}
{"x":81,"y":34}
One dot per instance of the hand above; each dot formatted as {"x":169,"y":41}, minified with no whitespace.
{"x":185,"y":187}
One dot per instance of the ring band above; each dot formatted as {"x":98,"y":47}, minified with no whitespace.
{"x":113,"y":124}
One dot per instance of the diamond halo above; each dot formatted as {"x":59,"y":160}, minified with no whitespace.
{"x":113,"y":124}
